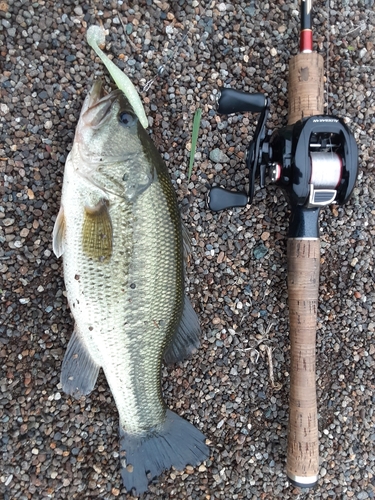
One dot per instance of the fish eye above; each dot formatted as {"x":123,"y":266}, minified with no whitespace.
{"x":126,"y":119}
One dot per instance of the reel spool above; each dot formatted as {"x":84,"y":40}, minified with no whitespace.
{"x":326,"y":174}
{"x":326,"y":170}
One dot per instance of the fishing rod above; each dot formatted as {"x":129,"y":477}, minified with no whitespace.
{"x":314,"y":159}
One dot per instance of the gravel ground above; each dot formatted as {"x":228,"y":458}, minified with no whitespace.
{"x":56,"y":447}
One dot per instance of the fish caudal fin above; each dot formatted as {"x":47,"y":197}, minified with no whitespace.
{"x":144,"y":457}
{"x":186,"y":339}
{"x":79,"y":372}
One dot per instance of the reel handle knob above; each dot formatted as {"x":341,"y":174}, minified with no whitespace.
{"x":221,"y":199}
{"x":235,"y":101}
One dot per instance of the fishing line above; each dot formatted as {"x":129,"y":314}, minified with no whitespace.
{"x":333,"y":164}
{"x":328,"y":37}
{"x":160,"y":70}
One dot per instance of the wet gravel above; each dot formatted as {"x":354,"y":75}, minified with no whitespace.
{"x":56,"y":447}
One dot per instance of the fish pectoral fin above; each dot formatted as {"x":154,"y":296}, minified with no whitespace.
{"x":79,"y":371}
{"x":58,"y":235}
{"x":186,"y":339}
{"x":97,"y":232}
{"x":176,"y":442}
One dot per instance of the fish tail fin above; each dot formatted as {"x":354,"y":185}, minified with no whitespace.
{"x":176,"y":443}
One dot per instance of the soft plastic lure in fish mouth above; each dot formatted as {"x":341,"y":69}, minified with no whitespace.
{"x":95,"y":36}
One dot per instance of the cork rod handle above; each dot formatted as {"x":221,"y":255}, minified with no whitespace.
{"x":303,"y":286}
{"x":305,"y":86}
{"x":306,"y":92}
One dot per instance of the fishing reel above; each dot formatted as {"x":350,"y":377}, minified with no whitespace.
{"x":315,"y":160}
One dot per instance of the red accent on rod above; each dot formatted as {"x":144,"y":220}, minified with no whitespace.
{"x":306,"y":41}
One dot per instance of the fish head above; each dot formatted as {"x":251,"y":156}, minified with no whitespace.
{"x":106,"y":125}
{"x":112,"y":150}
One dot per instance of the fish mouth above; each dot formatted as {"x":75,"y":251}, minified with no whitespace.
{"x":96,"y":93}
{"x":97,"y":106}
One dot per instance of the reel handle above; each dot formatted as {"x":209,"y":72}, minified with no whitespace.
{"x":236,"y":101}
{"x":221,"y":199}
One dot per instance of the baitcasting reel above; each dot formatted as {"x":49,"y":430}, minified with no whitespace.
{"x":315,"y":160}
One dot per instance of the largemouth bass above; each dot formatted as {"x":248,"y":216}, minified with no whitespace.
{"x":120,"y":235}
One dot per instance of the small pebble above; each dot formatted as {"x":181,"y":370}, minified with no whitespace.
{"x":260,"y":251}
{"x":217,"y":156}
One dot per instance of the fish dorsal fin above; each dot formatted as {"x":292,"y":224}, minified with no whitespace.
{"x":58,"y":234}
{"x":97,"y":232}
{"x":186,"y":339}
{"x":79,"y":372}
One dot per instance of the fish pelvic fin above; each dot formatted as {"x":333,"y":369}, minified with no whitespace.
{"x":176,"y":443}
{"x":79,"y":371}
{"x":185,"y":341}
{"x":97,"y":232}
{"x":58,"y":234}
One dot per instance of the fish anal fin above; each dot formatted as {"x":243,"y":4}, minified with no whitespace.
{"x":175,"y":443}
{"x":97,"y":232}
{"x":79,"y":371}
{"x":58,"y":234}
{"x":185,"y":341}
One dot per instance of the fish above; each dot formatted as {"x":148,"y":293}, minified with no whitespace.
{"x":123,"y":247}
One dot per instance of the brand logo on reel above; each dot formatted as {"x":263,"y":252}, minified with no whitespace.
{"x":323,"y":120}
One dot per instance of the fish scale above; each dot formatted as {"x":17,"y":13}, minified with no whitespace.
{"x":120,"y":235}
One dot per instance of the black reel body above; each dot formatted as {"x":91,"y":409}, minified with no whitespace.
{"x":314,"y":160}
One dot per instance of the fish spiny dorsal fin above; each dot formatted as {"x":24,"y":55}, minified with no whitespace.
{"x":97,"y":232}
{"x":59,"y":234}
